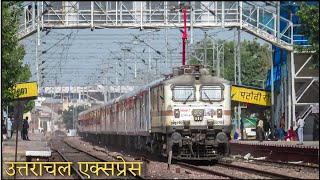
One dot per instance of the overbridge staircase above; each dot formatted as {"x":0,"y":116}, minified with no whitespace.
{"x":305,"y":112}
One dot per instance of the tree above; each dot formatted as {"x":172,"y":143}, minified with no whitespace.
{"x":13,"y":71}
{"x":68,"y":118}
{"x":70,"y":114}
{"x":255,"y":61}
{"x":24,"y":77}
{"x":12,"y":51}
{"x":309,"y":19}
{"x":29,"y":105}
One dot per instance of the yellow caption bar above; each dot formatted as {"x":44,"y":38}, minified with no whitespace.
{"x":252,"y":96}
{"x":85,"y":168}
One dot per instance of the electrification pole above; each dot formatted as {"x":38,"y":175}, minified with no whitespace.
{"x":235,"y":55}
{"x":184,"y":37}
{"x":184,"y":8}
{"x":239,"y":56}
{"x":239,"y":77}
{"x":37,"y":42}
{"x":205,"y":49}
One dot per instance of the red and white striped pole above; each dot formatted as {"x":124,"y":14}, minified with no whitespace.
{"x":184,"y":37}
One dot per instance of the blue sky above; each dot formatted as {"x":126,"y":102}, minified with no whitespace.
{"x":78,"y":57}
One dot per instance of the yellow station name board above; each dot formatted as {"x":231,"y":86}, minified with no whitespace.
{"x":27,"y":90}
{"x":251,"y":96}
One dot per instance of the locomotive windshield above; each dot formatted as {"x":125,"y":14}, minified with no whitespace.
{"x":183,"y":93}
{"x":211,"y":93}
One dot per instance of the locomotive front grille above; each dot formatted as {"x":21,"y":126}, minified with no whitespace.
{"x":198,"y":114}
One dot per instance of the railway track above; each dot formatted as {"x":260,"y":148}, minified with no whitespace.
{"x":221,"y":170}
{"x":234,"y":171}
{"x":208,"y":171}
{"x":152,"y":160}
{"x":75,"y":172}
{"x":257,"y":171}
{"x":75,"y":155}
{"x":274,"y":163}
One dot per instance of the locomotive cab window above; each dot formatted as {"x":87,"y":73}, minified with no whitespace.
{"x":183,"y":93}
{"x":211,"y":93}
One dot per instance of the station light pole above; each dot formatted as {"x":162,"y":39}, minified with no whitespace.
{"x":37,"y":41}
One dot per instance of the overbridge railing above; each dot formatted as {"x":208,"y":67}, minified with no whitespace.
{"x":252,"y":17}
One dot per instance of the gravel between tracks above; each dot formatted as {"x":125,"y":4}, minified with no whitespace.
{"x":158,"y":170}
{"x":155,"y":170}
{"x":76,"y":156}
{"x":233,"y":172}
{"x":304,"y":173}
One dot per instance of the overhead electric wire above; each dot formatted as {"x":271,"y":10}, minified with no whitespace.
{"x":43,"y":52}
{"x":125,"y":64}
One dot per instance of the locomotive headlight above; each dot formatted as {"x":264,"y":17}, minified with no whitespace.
{"x":176,"y":113}
{"x":210,"y":124}
{"x":186,"y":124}
{"x":219,"y":113}
{"x":222,"y":137}
{"x":197,"y":76}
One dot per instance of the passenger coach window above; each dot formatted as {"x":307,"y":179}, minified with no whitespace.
{"x":211,"y":93}
{"x":183,"y":93}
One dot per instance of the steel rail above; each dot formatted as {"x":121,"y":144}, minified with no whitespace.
{"x":240,"y":168}
{"x":259,"y":172}
{"x":75,"y":171}
{"x":268,"y":162}
{"x":192,"y":167}
{"x":100,"y":159}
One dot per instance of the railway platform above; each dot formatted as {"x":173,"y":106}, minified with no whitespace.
{"x":33,"y":150}
{"x":286,"y":151}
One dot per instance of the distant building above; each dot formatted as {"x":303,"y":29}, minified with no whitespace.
{"x":86,"y":93}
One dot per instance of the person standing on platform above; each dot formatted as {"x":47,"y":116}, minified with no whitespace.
{"x":236,"y":135}
{"x":300,"y":130}
{"x":260,"y":130}
{"x":281,"y":133}
{"x":26,"y":127}
{"x":12,"y":128}
{"x":290,"y":134}
{"x":22,"y":130}
{"x":282,"y":120}
{"x":266,"y":128}
{"x":9,"y":128}
{"x":241,"y":136}
{"x":4,"y":132}
{"x":276,"y":133}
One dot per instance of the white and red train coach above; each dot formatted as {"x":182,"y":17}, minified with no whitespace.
{"x":188,"y":113}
